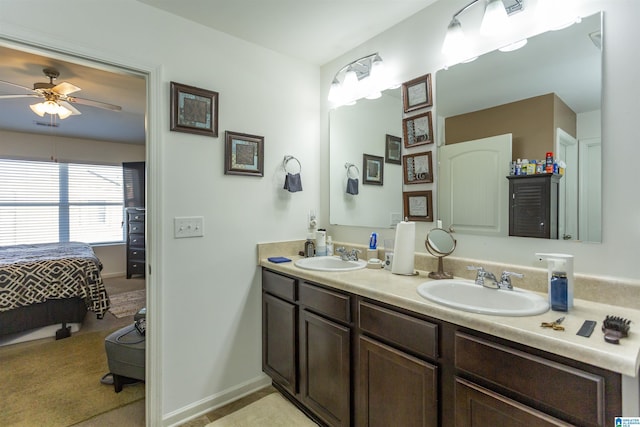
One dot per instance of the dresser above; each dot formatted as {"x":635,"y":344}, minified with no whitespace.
{"x":134,"y":220}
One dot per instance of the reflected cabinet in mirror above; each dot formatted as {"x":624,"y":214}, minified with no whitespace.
{"x":505,"y":106}
{"x":370,"y":129}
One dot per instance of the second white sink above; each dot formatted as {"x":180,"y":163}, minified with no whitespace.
{"x":329,"y":263}
{"x":467,"y":296}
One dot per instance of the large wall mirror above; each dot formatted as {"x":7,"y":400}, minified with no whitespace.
{"x":371,"y":127}
{"x":543,"y":97}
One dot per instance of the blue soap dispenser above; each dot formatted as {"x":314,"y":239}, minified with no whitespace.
{"x":560,"y":280}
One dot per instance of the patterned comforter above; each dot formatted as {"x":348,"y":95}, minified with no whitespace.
{"x":31,"y":274}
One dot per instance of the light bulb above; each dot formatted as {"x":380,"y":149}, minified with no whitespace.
{"x":454,"y":40}
{"x":63,"y":112}
{"x":38,"y":109}
{"x":495,"y":20}
{"x":350,"y":85}
{"x":335,"y":91}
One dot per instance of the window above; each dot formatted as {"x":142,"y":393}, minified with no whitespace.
{"x":44,"y":202}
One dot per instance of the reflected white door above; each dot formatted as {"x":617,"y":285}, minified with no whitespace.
{"x":473,"y":190}
{"x":567,"y":151}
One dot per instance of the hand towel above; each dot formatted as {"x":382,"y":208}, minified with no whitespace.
{"x":292,"y":182}
{"x":352,"y":186}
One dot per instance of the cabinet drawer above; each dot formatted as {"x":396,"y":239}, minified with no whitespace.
{"x":334,"y":304}
{"x":568,"y":391}
{"x":404,"y":331}
{"x":136,"y":240}
{"x":276,"y":284}
{"x":136,"y":254}
{"x":135,"y":267}
{"x":135,"y":216}
{"x":136,"y":227}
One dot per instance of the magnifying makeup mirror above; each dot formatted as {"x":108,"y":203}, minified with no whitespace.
{"x":440,"y":243}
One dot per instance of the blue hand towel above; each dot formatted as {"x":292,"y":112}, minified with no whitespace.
{"x":352,"y":186}
{"x":292,"y":182}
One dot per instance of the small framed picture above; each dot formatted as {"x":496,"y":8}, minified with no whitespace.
{"x":243,"y":154}
{"x":372,"y":169}
{"x":418,"y":205}
{"x":194,"y":110}
{"x":416,"y":93}
{"x":418,"y":130}
{"x":418,"y":168}
{"x":392,"y":150}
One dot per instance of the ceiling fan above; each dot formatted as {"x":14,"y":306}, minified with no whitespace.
{"x":56,"y":97}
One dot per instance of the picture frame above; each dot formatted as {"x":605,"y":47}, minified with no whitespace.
{"x":418,"y":168}
{"x":417,"y":130}
{"x":372,"y":169}
{"x":393,"y":149}
{"x":194,"y":110}
{"x":416,"y":93}
{"x":418,"y":205}
{"x":243,"y":154}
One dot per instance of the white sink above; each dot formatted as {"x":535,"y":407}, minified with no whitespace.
{"x":329,"y":263}
{"x":467,"y":296}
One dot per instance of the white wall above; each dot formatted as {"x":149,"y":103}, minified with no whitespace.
{"x":210,"y":287}
{"x":413,"y":49}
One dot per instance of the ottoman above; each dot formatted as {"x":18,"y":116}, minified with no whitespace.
{"x":125,"y":350}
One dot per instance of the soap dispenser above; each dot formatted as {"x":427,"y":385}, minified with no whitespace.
{"x":559,"y":279}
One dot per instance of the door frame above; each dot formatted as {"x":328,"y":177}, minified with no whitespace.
{"x":19,"y":39}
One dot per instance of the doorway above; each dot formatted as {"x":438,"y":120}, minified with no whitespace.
{"x":90,"y":73}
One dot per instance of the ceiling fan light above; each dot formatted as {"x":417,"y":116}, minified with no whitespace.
{"x":63,"y":112}
{"x":495,"y":20}
{"x":38,"y":109}
{"x":51,"y":107}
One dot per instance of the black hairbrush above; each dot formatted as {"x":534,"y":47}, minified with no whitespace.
{"x":615,"y":328}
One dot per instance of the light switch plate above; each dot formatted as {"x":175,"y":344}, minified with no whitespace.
{"x":188,"y":226}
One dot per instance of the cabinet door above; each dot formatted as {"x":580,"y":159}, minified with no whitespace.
{"x":479,"y":407}
{"x":325,"y":369}
{"x":534,"y":206}
{"x":279,"y":341}
{"x":394,"y":388}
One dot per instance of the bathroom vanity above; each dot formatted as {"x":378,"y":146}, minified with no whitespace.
{"x":363,"y":348}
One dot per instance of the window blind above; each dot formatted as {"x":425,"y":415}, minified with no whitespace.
{"x":45,"y":202}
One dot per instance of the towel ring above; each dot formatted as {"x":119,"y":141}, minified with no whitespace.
{"x":286,"y":161}
{"x":348,"y":167}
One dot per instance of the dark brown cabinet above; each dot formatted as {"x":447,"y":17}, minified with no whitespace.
{"x":306,"y":333}
{"x":135,"y":232}
{"x":348,"y":360}
{"x":533,"y":209}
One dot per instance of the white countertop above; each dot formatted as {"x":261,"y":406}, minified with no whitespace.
{"x":400,"y":291}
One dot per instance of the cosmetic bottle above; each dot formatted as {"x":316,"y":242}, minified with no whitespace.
{"x":329,"y":246}
{"x":309,"y":246}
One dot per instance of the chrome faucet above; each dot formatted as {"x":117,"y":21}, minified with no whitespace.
{"x":345,"y":255}
{"x":505,"y":278}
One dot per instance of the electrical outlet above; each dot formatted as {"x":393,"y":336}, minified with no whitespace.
{"x":188,"y":226}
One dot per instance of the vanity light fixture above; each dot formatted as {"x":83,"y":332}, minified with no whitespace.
{"x":495,"y":21}
{"x":362,"y":78}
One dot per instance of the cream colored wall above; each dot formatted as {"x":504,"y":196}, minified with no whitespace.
{"x":207,"y":311}
{"x":413,"y":49}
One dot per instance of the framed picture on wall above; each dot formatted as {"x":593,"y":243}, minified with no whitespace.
{"x":416,"y":93}
{"x":393,"y":146}
{"x":194,"y":110}
{"x":418,"y":168}
{"x":418,"y":205}
{"x":418,"y":130}
{"x":243,"y":154}
{"x":372,"y":169}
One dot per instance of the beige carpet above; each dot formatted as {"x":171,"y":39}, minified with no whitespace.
{"x":272,"y":411}
{"x":57,"y":383}
{"x":127,"y":303}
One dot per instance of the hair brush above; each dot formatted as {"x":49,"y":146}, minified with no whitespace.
{"x":614,"y":328}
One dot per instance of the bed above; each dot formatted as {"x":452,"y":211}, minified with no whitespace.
{"x":47,"y":284}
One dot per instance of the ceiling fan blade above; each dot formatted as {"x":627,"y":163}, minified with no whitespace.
{"x":92,"y":103}
{"x":19,"y":96}
{"x":28,"y":89}
{"x":74,"y":110}
{"x":65,"y":88}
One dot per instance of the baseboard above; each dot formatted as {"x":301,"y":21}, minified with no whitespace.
{"x":114,"y":274}
{"x":208,"y":404}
